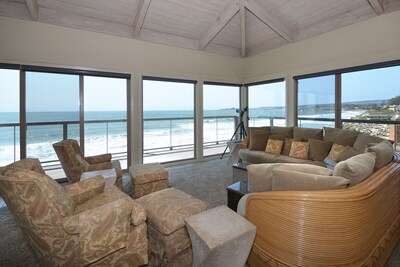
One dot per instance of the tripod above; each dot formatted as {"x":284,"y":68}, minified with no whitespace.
{"x":242,"y":132}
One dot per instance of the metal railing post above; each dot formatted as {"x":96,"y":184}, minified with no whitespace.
{"x":216,"y":131}
{"x":107,"y":137}
{"x":170,"y":134}
{"x":65,"y":130}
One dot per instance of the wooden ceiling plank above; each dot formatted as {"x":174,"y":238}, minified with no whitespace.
{"x":219,"y":24}
{"x":33,"y":9}
{"x":140,"y":16}
{"x":243,"y":28}
{"x":269,"y":20}
{"x":377,"y":5}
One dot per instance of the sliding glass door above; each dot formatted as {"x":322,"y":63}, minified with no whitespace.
{"x":105,"y":113}
{"x":52,"y":113}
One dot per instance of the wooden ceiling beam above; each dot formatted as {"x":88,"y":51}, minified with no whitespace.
{"x":377,"y":5}
{"x":219,"y":24}
{"x":33,"y":9}
{"x":140,"y":16}
{"x":243,"y":27}
{"x":268,"y":19}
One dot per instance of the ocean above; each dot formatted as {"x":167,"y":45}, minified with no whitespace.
{"x":111,"y":137}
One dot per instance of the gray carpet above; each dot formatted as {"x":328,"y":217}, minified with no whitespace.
{"x":207,"y":181}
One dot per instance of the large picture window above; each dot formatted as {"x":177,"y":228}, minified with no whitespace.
{"x":168,"y":120}
{"x":267,"y":103}
{"x":316,"y":102}
{"x":219,"y":117}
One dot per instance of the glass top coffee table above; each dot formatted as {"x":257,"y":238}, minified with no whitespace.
{"x":235,"y":193}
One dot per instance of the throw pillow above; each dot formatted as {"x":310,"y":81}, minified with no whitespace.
{"x":287,"y":132}
{"x":335,"y":151}
{"x":292,"y":180}
{"x":288,"y":145}
{"x":356,"y":168}
{"x":319,"y":149}
{"x":340,"y":136}
{"x":330,"y":164}
{"x":274,"y":146}
{"x":363,"y":140}
{"x":245,"y":142}
{"x":384,"y":153}
{"x":307,"y":133}
{"x":299,"y":150}
{"x":258,"y":139}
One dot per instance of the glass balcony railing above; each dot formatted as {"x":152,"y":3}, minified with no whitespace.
{"x":172,"y":140}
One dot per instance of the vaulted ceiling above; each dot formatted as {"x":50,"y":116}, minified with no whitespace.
{"x":229,"y":27}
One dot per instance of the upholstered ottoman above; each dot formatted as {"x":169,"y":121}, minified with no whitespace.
{"x":148,"y":178}
{"x":169,"y":241}
{"x":220,"y":238}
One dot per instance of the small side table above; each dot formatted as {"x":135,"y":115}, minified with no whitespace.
{"x":220,"y":237}
{"x":235,"y":192}
{"x":234,"y":147}
{"x":239,"y":172}
{"x":109,"y":175}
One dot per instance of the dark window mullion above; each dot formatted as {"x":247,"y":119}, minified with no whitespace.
{"x":338,"y":100}
{"x":81,"y":114}
{"x":22,"y":113}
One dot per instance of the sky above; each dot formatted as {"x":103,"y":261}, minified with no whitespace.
{"x":59,"y":92}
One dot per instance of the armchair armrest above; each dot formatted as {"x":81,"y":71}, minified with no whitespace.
{"x":84,"y":190}
{"x":102,"y":230}
{"x":99,"y":158}
{"x":99,"y":166}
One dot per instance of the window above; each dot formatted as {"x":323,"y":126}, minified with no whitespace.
{"x":9,"y":116}
{"x":316,"y":102}
{"x":168,"y":120}
{"x":219,"y":117}
{"x":52,"y":113}
{"x":105,"y":102}
{"x":372,"y":96}
{"x":267,"y":103}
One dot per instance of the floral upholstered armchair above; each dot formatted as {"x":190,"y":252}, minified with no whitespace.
{"x":77,"y":225}
{"x":74,"y":163}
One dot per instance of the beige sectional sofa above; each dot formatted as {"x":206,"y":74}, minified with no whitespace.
{"x":302,"y":221}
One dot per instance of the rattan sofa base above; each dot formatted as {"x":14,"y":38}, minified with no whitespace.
{"x":358,"y":226}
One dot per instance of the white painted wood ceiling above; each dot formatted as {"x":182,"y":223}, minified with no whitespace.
{"x":230,"y":27}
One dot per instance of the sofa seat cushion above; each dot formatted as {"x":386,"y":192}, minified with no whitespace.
{"x":284,"y":180}
{"x":256,"y":157}
{"x":260,"y":175}
{"x":356,"y":168}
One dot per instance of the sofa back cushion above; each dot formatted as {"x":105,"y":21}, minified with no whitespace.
{"x":293,"y":180}
{"x":356,"y":168}
{"x":258,"y":139}
{"x":319,"y":149}
{"x":363,"y":140}
{"x":308,"y":133}
{"x":340,"y":136}
{"x":383,"y":152}
{"x":287,"y":132}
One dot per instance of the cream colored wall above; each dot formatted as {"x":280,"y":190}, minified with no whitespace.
{"x":43,"y":44}
{"x":371,"y":41}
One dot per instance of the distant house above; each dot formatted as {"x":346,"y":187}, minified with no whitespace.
{"x":393,"y":108}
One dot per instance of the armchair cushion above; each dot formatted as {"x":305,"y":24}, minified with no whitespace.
{"x":84,"y":190}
